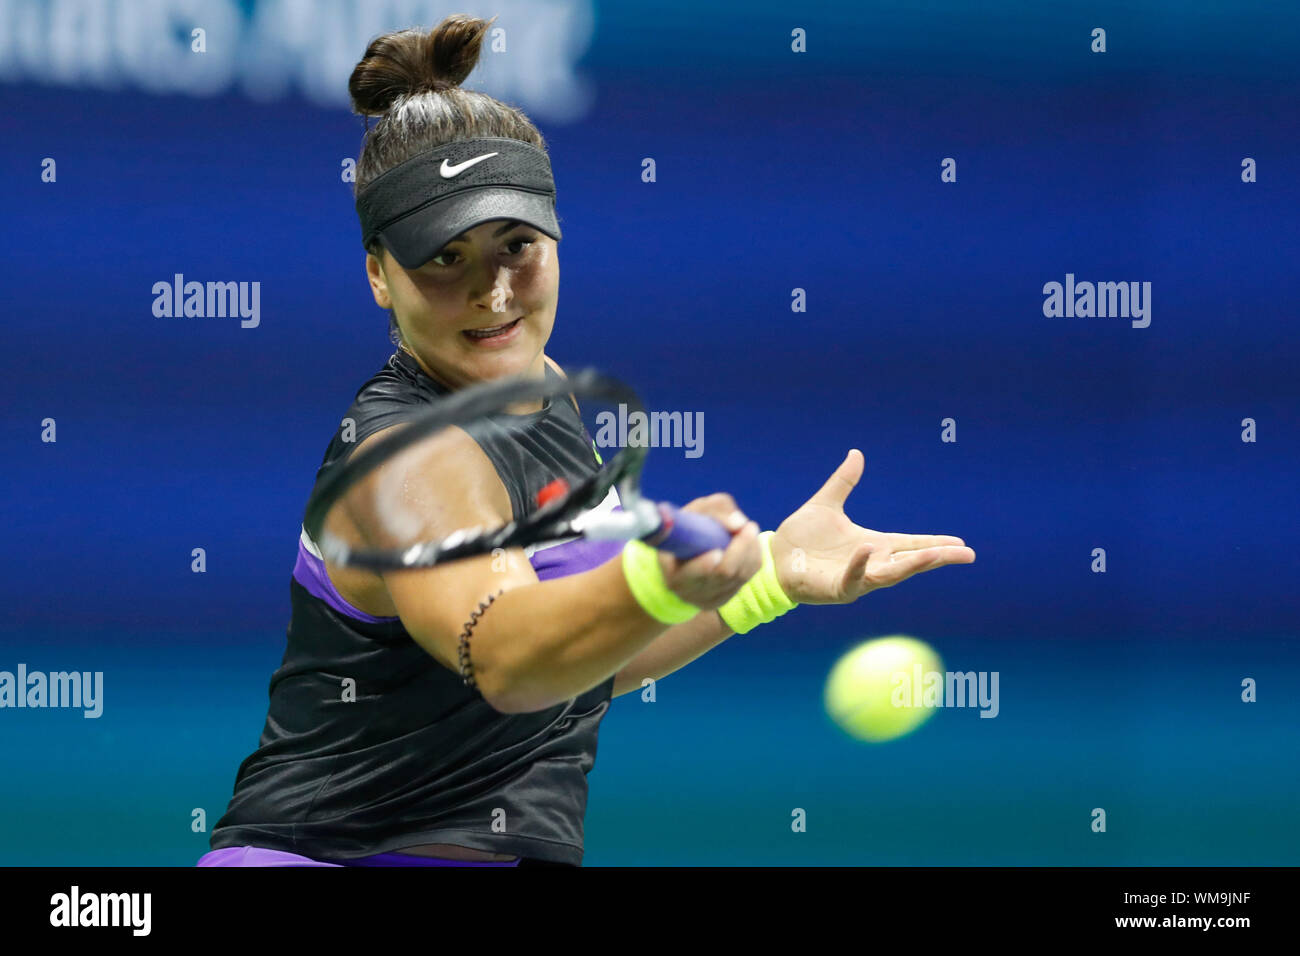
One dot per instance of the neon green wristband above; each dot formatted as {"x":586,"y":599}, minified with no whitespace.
{"x":761,"y":600}
{"x":645,"y":579}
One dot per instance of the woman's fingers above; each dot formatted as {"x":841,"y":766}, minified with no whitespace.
{"x":901,"y":565}
{"x":914,"y":542}
{"x":857,"y":567}
{"x":710,"y":579}
{"x":742,"y":559}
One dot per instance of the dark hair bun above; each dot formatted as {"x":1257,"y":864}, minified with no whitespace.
{"x":409,"y":61}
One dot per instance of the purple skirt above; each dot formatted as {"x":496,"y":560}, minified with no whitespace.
{"x":259,"y":856}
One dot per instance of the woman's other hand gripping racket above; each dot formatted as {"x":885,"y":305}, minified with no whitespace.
{"x":710,"y":579}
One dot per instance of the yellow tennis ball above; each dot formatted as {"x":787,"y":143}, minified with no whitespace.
{"x":875,"y":692}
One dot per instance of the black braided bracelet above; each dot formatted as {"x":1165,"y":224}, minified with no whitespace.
{"x":466,"y":666}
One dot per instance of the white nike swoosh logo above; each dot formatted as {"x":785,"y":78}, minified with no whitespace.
{"x":449,"y":171}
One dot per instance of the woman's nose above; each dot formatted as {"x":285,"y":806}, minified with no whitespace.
{"x":496,"y":291}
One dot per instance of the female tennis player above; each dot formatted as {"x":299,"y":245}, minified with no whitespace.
{"x":422,"y":766}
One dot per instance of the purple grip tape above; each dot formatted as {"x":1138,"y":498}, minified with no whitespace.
{"x":685,"y":534}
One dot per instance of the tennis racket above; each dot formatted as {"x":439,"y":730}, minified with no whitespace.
{"x":379,"y":510}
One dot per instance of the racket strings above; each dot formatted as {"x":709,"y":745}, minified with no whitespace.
{"x":399,"y":503}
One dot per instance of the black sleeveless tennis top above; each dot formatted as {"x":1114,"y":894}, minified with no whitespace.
{"x":418,"y":757}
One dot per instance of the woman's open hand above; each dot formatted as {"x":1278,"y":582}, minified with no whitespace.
{"x":822,"y":557}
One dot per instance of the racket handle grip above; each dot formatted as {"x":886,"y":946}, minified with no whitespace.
{"x":685,"y":534}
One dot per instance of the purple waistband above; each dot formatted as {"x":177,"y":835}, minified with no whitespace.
{"x":260,"y":856}
{"x":406,"y":859}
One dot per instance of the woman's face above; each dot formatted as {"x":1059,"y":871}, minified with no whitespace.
{"x":501,"y":272}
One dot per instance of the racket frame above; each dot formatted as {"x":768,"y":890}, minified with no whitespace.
{"x":567,"y":516}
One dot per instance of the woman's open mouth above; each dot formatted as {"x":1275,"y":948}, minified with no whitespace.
{"x":495,"y":335}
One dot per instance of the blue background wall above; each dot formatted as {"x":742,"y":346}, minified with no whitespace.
{"x":776,"y":170}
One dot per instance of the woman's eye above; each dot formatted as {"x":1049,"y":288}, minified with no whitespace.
{"x":510,"y":246}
